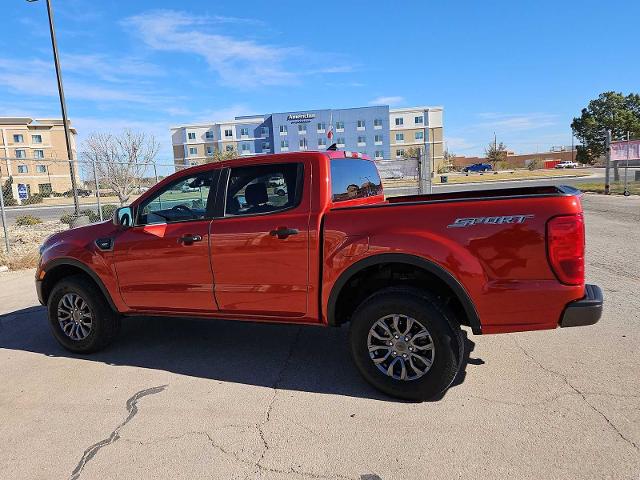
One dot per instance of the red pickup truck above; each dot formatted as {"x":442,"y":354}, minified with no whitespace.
{"x":308,"y":238}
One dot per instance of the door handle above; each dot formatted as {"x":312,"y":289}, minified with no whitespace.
{"x":283,"y":232}
{"x":189,"y":239}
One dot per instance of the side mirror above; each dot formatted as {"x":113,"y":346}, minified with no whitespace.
{"x":123,"y":217}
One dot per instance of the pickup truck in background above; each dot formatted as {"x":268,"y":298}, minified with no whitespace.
{"x":478,"y":167}
{"x":308,"y":238}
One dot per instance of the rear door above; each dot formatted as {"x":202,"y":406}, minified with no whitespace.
{"x":163,"y":261}
{"x":260,"y":241}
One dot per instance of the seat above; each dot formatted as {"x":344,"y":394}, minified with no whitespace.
{"x":256,"y":196}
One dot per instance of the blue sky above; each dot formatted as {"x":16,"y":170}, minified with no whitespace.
{"x":521,"y":69}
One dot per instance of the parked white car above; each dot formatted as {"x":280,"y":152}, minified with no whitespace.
{"x":567,"y":164}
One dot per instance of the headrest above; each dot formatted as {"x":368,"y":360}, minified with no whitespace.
{"x":256,"y":194}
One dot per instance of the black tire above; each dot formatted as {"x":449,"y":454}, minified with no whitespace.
{"x":433,"y":315}
{"x":105,"y":323}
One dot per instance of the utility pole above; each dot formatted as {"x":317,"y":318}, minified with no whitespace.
{"x":607,"y":146}
{"x":63,"y":106}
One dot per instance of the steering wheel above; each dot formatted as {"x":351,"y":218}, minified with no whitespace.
{"x":184,"y":208}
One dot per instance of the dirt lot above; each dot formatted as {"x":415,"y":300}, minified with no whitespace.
{"x":197,"y":399}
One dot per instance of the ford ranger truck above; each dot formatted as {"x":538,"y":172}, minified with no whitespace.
{"x":308,"y":238}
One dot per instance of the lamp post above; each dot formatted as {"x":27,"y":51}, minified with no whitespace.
{"x":63,"y":106}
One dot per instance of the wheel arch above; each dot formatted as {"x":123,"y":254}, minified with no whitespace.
{"x":433,"y":270}
{"x":65,"y":267}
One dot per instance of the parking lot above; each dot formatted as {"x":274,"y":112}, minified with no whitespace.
{"x":186,"y":399}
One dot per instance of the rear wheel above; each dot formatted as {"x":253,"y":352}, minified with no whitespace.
{"x":406,"y":343}
{"x":80,"y":318}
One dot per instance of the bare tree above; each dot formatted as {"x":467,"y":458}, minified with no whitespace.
{"x":221,"y":156}
{"x":120,"y":160}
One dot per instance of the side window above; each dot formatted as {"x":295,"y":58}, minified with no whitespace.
{"x":186,"y":199}
{"x":354,"y":179}
{"x":262,"y":189}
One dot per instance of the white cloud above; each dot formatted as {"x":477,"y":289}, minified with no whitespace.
{"x":455,"y":144}
{"x":392,"y":100}
{"x":237,"y":62}
{"x":506,"y":122}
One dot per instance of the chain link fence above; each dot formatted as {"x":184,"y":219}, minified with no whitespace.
{"x":38,"y":199}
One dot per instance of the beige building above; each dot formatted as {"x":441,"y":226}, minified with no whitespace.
{"x":415,"y":128}
{"x":33,"y":152}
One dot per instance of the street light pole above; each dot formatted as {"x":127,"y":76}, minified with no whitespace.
{"x":63,"y":106}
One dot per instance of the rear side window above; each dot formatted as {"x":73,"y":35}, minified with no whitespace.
{"x":263,"y":189}
{"x":354,"y":178}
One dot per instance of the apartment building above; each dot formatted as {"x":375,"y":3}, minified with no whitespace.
{"x":416,"y":129}
{"x":376,"y":131}
{"x":33,"y":152}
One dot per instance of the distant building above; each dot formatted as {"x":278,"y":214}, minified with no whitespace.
{"x":523,"y":160}
{"x":376,"y":131}
{"x":33,"y":153}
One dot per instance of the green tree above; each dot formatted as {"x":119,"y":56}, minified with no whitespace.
{"x":7,"y":193}
{"x":610,"y":111}
{"x":495,"y":152}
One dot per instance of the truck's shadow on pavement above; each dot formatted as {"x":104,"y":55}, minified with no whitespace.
{"x":310,"y":359}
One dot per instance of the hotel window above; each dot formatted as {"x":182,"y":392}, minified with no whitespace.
{"x":284,"y":144}
{"x":340,"y":141}
{"x":379,"y":154}
{"x":399,"y":137}
{"x":38,"y":154}
{"x":377,"y":123}
{"x":228,"y":132}
{"x":246,"y":148}
{"x":322,"y":142}
{"x":362,"y":141}
{"x":419,"y":135}
{"x":265,"y":131}
{"x":209,"y":134}
{"x":322,"y":127}
{"x":378,"y":139}
{"x":244,"y":132}
{"x":191,"y":135}
{"x":340,"y":126}
{"x":20,"y":154}
{"x":41,"y":168}
{"x":283,"y":130}
{"x":303,"y":144}
{"x":23,"y":169}
{"x":419,"y":119}
{"x":229,"y":148}
{"x":266,"y":145}
{"x":399,"y":121}
{"x":209,"y":150}
{"x":193,"y":151}
{"x":18,"y":139}
{"x":400,"y":153}
{"x":36,"y":138}
{"x":302,"y":129}
{"x":361,"y":125}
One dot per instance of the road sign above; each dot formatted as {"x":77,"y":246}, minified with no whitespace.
{"x":625,"y":150}
{"x":22,"y":191}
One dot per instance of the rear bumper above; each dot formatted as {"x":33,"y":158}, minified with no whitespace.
{"x":585,"y":311}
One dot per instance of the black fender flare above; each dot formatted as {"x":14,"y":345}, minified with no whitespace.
{"x":431,"y":267}
{"x":65,"y":261}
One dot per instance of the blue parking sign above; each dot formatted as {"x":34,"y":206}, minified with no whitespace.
{"x":22,"y":191}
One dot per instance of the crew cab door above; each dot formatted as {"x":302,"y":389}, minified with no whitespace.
{"x":162,"y":261}
{"x":260,"y":240}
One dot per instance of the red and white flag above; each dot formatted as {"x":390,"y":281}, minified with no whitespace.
{"x":330,"y":129}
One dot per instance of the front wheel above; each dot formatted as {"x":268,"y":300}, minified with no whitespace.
{"x":406,"y":344}
{"x":80,"y":317}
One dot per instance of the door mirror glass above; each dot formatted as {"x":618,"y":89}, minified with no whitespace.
{"x":123,"y":217}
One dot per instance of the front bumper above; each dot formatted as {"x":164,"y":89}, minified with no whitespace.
{"x":585,"y":311}
{"x":39,"y":291}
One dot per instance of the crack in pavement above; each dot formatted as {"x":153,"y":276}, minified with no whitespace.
{"x":578,"y":391}
{"x":132,"y":408}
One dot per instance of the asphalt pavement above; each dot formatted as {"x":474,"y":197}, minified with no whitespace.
{"x":186,"y":399}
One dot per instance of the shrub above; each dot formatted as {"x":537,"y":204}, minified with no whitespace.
{"x":107,"y":211}
{"x":7,"y":193}
{"x":33,"y":199}
{"x":66,"y":218}
{"x":26,"y":220}
{"x":535,"y":164}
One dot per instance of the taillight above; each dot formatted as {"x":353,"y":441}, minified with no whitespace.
{"x":565,"y":246}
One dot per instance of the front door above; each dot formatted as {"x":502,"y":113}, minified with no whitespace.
{"x":260,"y":246}
{"x":162,"y":262}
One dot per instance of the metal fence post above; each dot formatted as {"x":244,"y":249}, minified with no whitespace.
{"x":155,"y":172}
{"x":95,"y":179}
{"x":424,"y":171}
{"x":4,"y":217}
